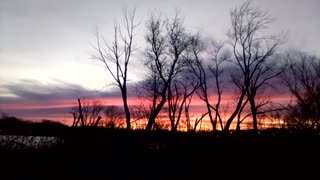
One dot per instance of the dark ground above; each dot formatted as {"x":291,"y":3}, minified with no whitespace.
{"x":119,"y":154}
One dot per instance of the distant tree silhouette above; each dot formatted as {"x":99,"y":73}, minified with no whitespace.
{"x":116,"y":55}
{"x":166,"y":43}
{"x":253,"y":54}
{"x":302,"y":77}
{"x":114,"y":117}
{"x":11,"y":122}
{"x":14,"y":126}
{"x":87,"y":113}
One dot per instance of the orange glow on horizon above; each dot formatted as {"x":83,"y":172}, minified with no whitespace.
{"x":196,"y":109}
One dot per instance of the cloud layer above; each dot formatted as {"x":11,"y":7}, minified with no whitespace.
{"x":32,"y":99}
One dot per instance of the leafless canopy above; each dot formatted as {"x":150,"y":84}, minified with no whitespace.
{"x":115,"y":56}
{"x":166,"y":43}
{"x":253,"y":52}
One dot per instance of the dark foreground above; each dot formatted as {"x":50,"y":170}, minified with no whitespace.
{"x":119,"y":154}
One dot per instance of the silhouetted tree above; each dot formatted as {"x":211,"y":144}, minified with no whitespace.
{"x":180,"y":94}
{"x":116,"y":56}
{"x":206,"y":72}
{"x":11,"y":122}
{"x":253,"y":53}
{"x":87,"y":113}
{"x":302,"y":77}
{"x":166,"y":42}
{"x":114,"y":117}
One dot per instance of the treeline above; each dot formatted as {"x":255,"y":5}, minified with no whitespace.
{"x":10,"y":125}
{"x":183,"y":66}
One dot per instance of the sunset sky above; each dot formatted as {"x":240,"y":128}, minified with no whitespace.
{"x":45,"y":46}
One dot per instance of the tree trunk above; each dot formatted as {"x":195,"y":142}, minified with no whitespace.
{"x":80,"y":113}
{"x":74,"y":119}
{"x":154,"y":114}
{"x":254,"y":113}
{"x":213,"y":123}
{"x":97,"y":121}
{"x":229,"y":121}
{"x":126,"y":108}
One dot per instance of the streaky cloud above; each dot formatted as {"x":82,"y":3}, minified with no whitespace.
{"x":33,"y":91}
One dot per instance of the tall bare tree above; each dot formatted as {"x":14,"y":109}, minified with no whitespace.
{"x":116,"y":55}
{"x":166,"y":42}
{"x":253,"y":52}
{"x":203,"y":71}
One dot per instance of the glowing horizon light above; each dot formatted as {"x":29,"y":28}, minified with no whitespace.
{"x":41,"y":110}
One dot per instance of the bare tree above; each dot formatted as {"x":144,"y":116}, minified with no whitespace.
{"x":114,"y":117}
{"x":219,"y":57}
{"x":166,"y":42}
{"x":302,"y":77}
{"x":116,"y":55}
{"x":253,"y":52}
{"x":180,"y":94}
{"x":202,"y":72}
{"x":87,"y":113}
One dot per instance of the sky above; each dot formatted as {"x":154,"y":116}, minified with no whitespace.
{"x":45,"y":45}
